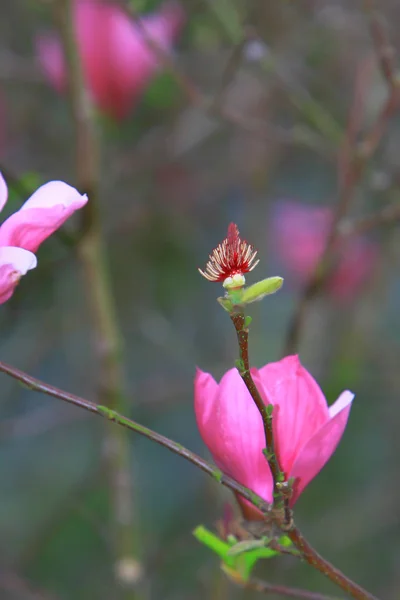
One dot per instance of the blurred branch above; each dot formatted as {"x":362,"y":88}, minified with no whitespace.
{"x":108,"y":344}
{"x":383,"y":47}
{"x":14,"y":68}
{"x":257,"y":585}
{"x":387,"y":216}
{"x":351,"y":164}
{"x":213,"y":107}
{"x":312,"y":111}
{"x":39,"y":386}
{"x":13,"y":583}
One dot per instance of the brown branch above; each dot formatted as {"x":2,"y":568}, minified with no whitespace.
{"x":242,"y":332}
{"x":39,"y":386}
{"x":351,"y":170}
{"x":326,"y":568}
{"x":106,"y":333}
{"x":213,"y":107}
{"x":257,"y":585}
{"x":387,"y":216}
{"x":384,"y":49}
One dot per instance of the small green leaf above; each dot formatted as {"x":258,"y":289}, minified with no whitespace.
{"x":239,"y":364}
{"x":247,"y":322}
{"x":226,"y":304}
{"x":258,"y":290}
{"x":247,"y":546}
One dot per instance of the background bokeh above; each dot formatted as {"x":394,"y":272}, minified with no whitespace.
{"x":173,"y":177}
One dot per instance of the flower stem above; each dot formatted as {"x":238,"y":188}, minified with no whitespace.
{"x":238,"y":319}
{"x":326,"y":568}
{"x":102,"y":411}
{"x":106,"y":332}
{"x":306,"y":550}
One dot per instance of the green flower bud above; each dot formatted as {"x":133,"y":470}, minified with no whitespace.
{"x":258,"y":290}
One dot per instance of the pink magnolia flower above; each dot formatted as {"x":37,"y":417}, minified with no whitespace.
{"x":306,"y":430}
{"x":116,"y":60}
{"x":23,"y":232}
{"x":299,"y":234}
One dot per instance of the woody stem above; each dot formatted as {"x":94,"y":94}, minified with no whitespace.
{"x":242,"y":332}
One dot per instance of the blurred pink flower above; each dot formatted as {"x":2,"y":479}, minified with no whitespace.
{"x":306,"y":431}
{"x":116,"y":60}
{"x":23,"y":232}
{"x":299,"y":234}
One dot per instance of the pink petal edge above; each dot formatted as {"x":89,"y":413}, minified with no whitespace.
{"x":318,"y":450}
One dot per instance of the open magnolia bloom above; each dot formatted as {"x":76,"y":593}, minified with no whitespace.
{"x":306,"y":430}
{"x":299,"y":233}
{"x":116,"y":59}
{"x":23,"y":232}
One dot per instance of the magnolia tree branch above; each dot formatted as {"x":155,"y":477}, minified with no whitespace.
{"x":215,"y":107}
{"x":307,"y":552}
{"x":102,"y":411}
{"x":257,"y":585}
{"x":352,"y":162}
{"x":108,"y":344}
{"x":242,"y":332}
{"x":310,"y":555}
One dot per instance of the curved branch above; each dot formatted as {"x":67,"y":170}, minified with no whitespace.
{"x":39,"y":386}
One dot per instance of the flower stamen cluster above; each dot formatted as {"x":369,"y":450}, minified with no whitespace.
{"x":230,"y":260}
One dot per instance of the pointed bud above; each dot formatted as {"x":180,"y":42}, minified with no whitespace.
{"x":258,"y":290}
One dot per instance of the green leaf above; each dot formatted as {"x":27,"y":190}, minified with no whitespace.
{"x":238,"y":557}
{"x":259,"y":290}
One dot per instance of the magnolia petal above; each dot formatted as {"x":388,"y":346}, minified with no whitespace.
{"x":318,"y":450}
{"x":3,"y":192}
{"x":231,"y":428}
{"x":54,"y":193}
{"x":14,"y":262}
{"x":300,"y":408}
{"x":45,"y":211}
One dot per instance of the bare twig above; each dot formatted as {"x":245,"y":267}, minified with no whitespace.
{"x":326,"y":568}
{"x":384,"y":49}
{"x":242,"y":332}
{"x":387,"y":216}
{"x":257,"y":585}
{"x":215,"y":108}
{"x":108,"y":342}
{"x":306,"y":550}
{"x":39,"y":386}
{"x":351,"y":169}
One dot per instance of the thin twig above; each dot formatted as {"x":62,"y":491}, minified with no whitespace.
{"x":306,"y":550}
{"x":257,"y":585}
{"x":326,"y":568}
{"x":242,"y":332}
{"x":40,"y":386}
{"x":383,"y":47}
{"x":216,"y":109}
{"x":108,"y":343}
{"x":350,"y":173}
{"x":387,"y":216}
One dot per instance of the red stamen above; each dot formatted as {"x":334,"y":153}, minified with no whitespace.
{"x":233,"y":256}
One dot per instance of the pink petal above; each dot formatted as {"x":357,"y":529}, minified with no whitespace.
{"x":318,"y":450}
{"x":301,"y":408}
{"x":54,"y":193}
{"x":3,"y":192}
{"x":51,"y":58}
{"x":45,"y":211}
{"x":14,"y":262}
{"x":231,"y":428}
{"x":117,"y":62}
